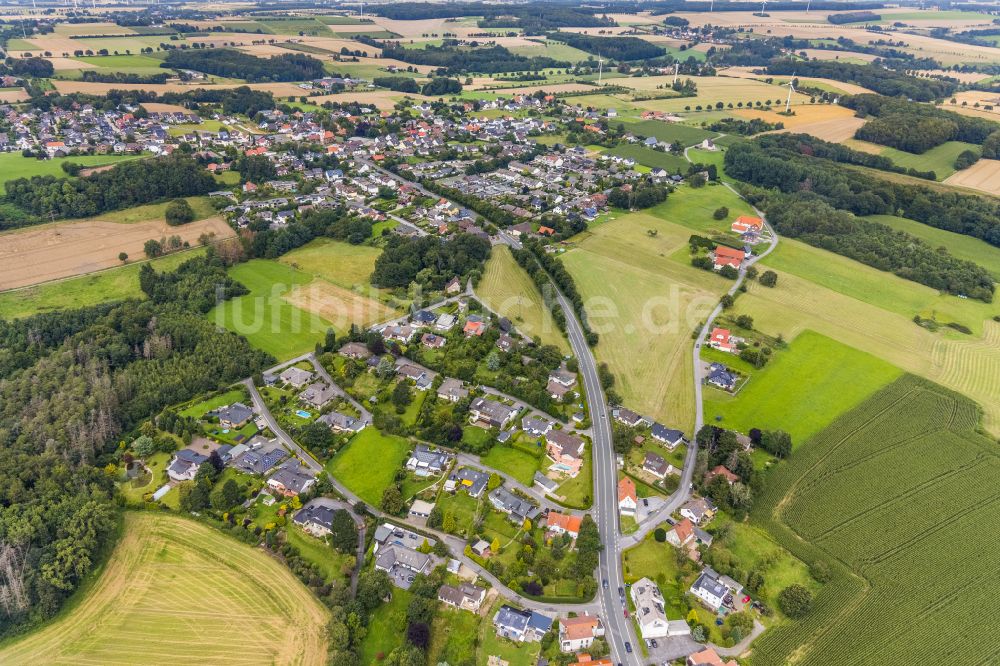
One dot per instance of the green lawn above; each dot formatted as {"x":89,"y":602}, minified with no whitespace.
{"x":657,"y":562}
{"x":386,"y":628}
{"x":519,"y":654}
{"x":13,"y":165}
{"x":651,"y":158}
{"x":264,"y":317}
{"x":940,"y":159}
{"x":672,"y":132}
{"x":303,"y":26}
{"x":454,"y":636}
{"x":368,"y":464}
{"x":199,"y":409}
{"x":959,"y":245}
{"x":110,"y":285}
{"x":330,"y":561}
{"x":462,"y":508}
{"x":132,"y":64}
{"x":520,"y":465}
{"x":804,"y":389}
{"x":578,"y":492}
{"x":202,"y":207}
{"x":694,"y":208}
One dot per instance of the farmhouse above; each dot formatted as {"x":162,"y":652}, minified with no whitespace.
{"x":747,"y":223}
{"x":490,"y":413}
{"x":727,"y":256}
{"x":578,"y":633}
{"x":722,"y":340}
{"x":628,"y":501}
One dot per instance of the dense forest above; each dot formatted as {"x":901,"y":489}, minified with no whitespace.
{"x":872,"y":76}
{"x":532,"y":17}
{"x":451,"y":58}
{"x":744,"y":127}
{"x":853,"y":17}
{"x":122,"y":77}
{"x":818,"y":184}
{"x":128,"y":184}
{"x":807,"y":144}
{"x":71,"y":382}
{"x":914,"y":127}
{"x":406,"y":84}
{"x":238,"y":65}
{"x":429,"y":261}
{"x":614,"y":48}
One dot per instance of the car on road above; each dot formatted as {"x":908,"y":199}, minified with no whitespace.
{"x":655,"y":645}
{"x":605,"y":583}
{"x":621,"y":592}
{"x":628,"y":647}
{"x":625,"y":611}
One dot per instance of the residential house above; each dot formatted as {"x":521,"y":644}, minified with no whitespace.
{"x":723,"y":471}
{"x":454,"y":286}
{"x":628,"y":500}
{"x":292,"y":478}
{"x":355,"y":350}
{"x":506,"y":343}
{"x":565,"y":450}
{"x":445,"y":322}
{"x":556,"y":390}
{"x":723,"y":340}
{"x":682,"y":533}
{"x":424,"y":317}
{"x":425,"y":461}
{"x":491,"y":413}
{"x":315,"y":518}
{"x":558,"y":523}
{"x":517,"y":509}
{"x":721,"y":376}
{"x":398,"y":333}
{"x":584,"y":659}
{"x":578,"y":633}
{"x":402,"y":564}
{"x":708,"y":656}
{"x":547,"y":485}
{"x":421,"y":379}
{"x":233,"y":416}
{"x":338,"y":422}
{"x":747,"y":224}
{"x":627,"y":416}
{"x":534,"y":425}
{"x":521,"y":625}
{"x":471,"y":480}
{"x":432,"y":341}
{"x":452,"y":390}
{"x":656,"y":465}
{"x":185,"y":464}
{"x":727,"y":256}
{"x":262,"y":455}
{"x":698,"y":510}
{"x":712,"y":589}
{"x":666,"y":436}
{"x":474,"y":328}
{"x":466,"y":596}
{"x":297,"y":377}
{"x":318,"y":394}
{"x":650,"y":612}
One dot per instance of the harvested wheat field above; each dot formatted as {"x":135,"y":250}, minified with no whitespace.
{"x":160,"y":107}
{"x":805,"y":114}
{"x":383,"y":100}
{"x":176,"y":591}
{"x":341,"y":307}
{"x":984,"y":176}
{"x":847,"y":56}
{"x":13,"y":95}
{"x":64,"y":249}
{"x":91,"y":88}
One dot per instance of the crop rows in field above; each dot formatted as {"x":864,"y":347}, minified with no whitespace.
{"x":900,"y":497}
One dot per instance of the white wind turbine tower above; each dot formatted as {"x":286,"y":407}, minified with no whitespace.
{"x":791,"y":89}
{"x":600,"y":68}
{"x":677,"y":67}
{"x":763,"y":6}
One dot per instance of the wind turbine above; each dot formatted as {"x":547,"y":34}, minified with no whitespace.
{"x":600,"y":68}
{"x":763,"y":6}
{"x":677,"y":67}
{"x":791,"y":89}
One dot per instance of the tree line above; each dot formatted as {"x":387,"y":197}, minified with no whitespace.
{"x":863,"y":193}
{"x":872,"y":76}
{"x":612,"y":48}
{"x":451,"y":58}
{"x":429,"y":261}
{"x":238,"y":65}
{"x":126,"y":185}
{"x":806,"y":144}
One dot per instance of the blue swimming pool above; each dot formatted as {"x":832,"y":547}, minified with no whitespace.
{"x":303,"y":414}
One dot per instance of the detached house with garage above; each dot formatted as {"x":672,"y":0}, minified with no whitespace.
{"x":566,"y":452}
{"x":490,"y":413}
{"x":578,"y":633}
{"x":627,"y":498}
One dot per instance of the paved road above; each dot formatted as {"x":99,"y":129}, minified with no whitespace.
{"x":468,"y":459}
{"x":605,"y":511}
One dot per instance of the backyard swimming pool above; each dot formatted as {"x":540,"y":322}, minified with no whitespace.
{"x":302,"y":414}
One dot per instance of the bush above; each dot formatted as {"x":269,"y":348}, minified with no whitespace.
{"x":795,"y":601}
{"x":179,"y":212}
{"x":721,"y":213}
{"x":769,"y":278}
{"x":660,"y":534}
{"x":820,"y":571}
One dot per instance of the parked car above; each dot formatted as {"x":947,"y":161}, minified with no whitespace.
{"x":628,"y":647}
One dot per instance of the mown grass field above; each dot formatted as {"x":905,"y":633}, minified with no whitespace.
{"x":651,"y":158}
{"x":644,"y":303}
{"x":110,"y":285}
{"x":508,"y":289}
{"x":13,"y":165}
{"x":343,"y":264}
{"x":519,"y":464}
{"x":454,"y":637}
{"x":672,"y":132}
{"x":869,"y":320}
{"x":171,"y":592}
{"x":368,"y":464}
{"x":940,"y":159}
{"x":385,"y":628}
{"x":803,"y":390}
{"x":264,"y":317}
{"x":959,"y":245}
{"x":898,"y":496}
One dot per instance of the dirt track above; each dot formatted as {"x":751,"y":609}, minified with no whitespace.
{"x":55,"y":251}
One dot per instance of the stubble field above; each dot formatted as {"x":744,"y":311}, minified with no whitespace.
{"x":176,"y":591}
